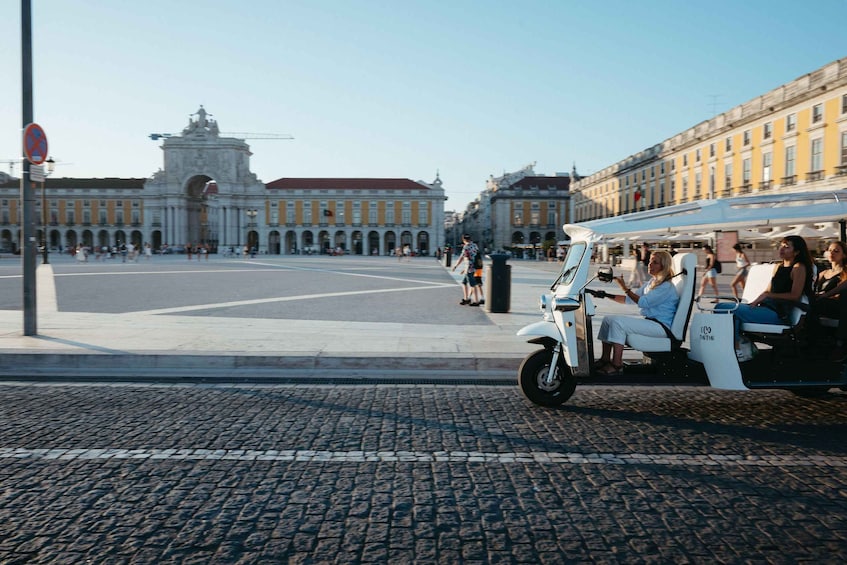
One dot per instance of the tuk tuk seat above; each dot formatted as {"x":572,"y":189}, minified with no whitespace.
{"x":758,"y":279}
{"x":685,"y":268}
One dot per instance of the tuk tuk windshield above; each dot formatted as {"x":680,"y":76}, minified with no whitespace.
{"x":572,"y":261}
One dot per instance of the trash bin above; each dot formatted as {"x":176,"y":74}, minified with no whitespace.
{"x":499,"y":289}
{"x":448,"y":256}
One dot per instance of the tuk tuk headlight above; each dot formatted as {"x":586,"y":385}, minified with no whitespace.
{"x":566,"y":304}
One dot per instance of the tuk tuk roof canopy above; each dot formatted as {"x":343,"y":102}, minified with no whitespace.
{"x":726,"y":214}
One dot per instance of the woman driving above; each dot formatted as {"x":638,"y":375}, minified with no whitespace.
{"x":656,"y":299}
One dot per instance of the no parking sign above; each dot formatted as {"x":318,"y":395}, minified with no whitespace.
{"x":35,"y":144}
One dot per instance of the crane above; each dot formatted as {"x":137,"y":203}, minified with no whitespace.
{"x":19,"y":160}
{"x":238,"y":134}
{"x":12,"y":163}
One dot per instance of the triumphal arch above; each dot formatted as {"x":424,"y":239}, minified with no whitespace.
{"x":205,"y":194}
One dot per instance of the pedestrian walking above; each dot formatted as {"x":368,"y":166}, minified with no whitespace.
{"x":742,"y":265}
{"x":711,"y":274}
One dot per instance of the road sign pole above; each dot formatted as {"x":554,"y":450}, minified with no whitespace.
{"x":27,"y":244}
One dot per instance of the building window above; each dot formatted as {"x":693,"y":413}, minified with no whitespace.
{"x":790,"y":156}
{"x":746,"y":171}
{"x":290,"y":212}
{"x":103,"y":217}
{"x":685,"y":188}
{"x":535,"y":213}
{"x":711,"y":150}
{"x":307,"y":213}
{"x":69,"y":217}
{"x":697,"y":155}
{"x":698,"y":181}
{"x":747,"y":138}
{"x":373,"y":214}
{"x":844,"y":103}
{"x":767,"y":130}
{"x":727,"y":176}
{"x":86,"y":216}
{"x":136,"y":217}
{"x":767,"y":159}
{"x":339,"y":212}
{"x":119,"y":217}
{"x":817,"y":113}
{"x":406,"y":213}
{"x":357,"y":211}
{"x":728,"y":144}
{"x":790,"y":122}
{"x":817,"y":155}
{"x":423,"y":214}
{"x":685,"y":160}
{"x":844,"y":148}
{"x":389,"y":212}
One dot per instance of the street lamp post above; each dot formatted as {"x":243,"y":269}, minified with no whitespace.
{"x":51,"y":166}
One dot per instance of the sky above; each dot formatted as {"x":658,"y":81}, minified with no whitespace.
{"x":399,"y":88}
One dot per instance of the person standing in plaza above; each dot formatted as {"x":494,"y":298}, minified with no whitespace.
{"x":470,"y":284}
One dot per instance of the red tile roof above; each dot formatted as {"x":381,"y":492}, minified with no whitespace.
{"x":345,"y":184}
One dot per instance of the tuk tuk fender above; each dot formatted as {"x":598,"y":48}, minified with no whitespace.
{"x":712,"y":344}
{"x":541,"y":329}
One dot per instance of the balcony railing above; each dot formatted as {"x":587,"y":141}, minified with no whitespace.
{"x":789,"y":180}
{"x":814,"y":176}
{"x":745,"y":188}
{"x":841,"y":170}
{"x":766,"y":185}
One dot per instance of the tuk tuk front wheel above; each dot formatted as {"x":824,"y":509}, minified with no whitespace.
{"x":533,"y":376}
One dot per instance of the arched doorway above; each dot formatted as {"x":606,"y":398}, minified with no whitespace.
{"x":197,"y":193}
{"x":357,"y":242}
{"x":308,"y":243}
{"x":291,"y":242}
{"x":373,"y":243}
{"x":423,"y":243}
{"x":70,"y":239}
{"x":340,"y":241}
{"x":273,"y":243}
{"x":87,"y":239}
{"x":390,"y":242}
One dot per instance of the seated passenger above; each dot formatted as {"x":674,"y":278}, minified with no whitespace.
{"x":656,"y":299}
{"x":792,"y":278}
{"x":831,"y":298}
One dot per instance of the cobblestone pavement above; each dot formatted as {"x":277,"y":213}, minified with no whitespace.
{"x":424,"y":474}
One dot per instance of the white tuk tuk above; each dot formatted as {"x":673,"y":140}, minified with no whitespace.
{"x":785,"y":358}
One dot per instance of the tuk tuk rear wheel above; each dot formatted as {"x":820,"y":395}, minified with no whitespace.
{"x":533,"y":374}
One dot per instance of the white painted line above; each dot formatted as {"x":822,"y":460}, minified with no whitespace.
{"x":218,"y":305}
{"x":320,"y":456}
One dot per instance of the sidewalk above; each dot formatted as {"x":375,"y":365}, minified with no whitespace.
{"x":75,"y":345}
{"x":132,"y":346}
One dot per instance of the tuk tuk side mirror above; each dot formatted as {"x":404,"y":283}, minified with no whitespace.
{"x":605,"y":274}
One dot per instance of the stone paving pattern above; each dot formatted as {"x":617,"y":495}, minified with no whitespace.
{"x":618,"y":475}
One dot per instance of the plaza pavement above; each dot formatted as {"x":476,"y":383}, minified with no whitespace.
{"x":151,"y":345}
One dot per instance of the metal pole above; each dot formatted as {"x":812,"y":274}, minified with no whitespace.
{"x":44,"y":260}
{"x":28,"y":253}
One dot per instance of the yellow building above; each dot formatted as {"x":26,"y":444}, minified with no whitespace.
{"x":206,"y":195}
{"x":793,"y":138}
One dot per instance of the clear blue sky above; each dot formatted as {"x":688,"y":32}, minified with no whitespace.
{"x":400,"y":88}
